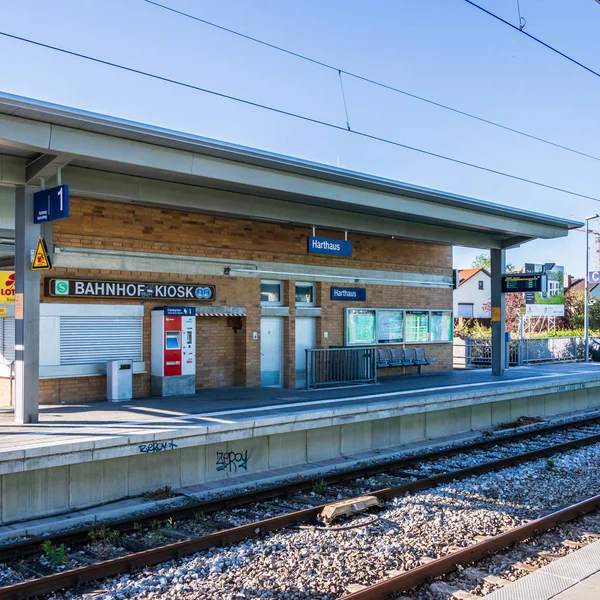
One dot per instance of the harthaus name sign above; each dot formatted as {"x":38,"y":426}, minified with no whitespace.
{"x":86,"y":288}
{"x":319,"y":245}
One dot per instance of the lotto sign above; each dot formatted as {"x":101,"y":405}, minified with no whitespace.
{"x":7,"y":287}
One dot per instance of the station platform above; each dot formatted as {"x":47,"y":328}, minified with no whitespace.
{"x":80,"y":456}
{"x":573,"y":577}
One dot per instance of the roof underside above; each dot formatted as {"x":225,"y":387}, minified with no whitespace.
{"x":127,"y":157}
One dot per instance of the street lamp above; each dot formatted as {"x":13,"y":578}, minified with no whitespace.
{"x":586,"y":316}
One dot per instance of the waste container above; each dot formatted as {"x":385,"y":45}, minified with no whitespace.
{"x":119,"y":380}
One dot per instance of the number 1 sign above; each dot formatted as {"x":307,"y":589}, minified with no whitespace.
{"x":52,"y":204}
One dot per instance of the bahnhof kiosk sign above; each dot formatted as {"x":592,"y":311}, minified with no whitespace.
{"x":93,"y":288}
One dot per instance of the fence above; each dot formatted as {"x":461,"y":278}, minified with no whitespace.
{"x":341,"y":366}
{"x":477,"y":352}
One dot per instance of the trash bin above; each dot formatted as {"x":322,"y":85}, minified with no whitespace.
{"x":119,"y":380}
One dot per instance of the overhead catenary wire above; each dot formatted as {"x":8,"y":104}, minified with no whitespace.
{"x":532,"y":37}
{"x":295,"y":115}
{"x":374,"y":82}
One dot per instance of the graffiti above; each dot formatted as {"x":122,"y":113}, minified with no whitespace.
{"x":157,"y":446}
{"x":232,"y":461}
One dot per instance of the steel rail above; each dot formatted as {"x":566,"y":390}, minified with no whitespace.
{"x":177,"y":550}
{"x":126,"y":525}
{"x":445,"y":564}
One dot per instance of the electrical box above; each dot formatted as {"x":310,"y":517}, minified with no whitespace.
{"x":119,"y":380}
{"x":173,"y":350}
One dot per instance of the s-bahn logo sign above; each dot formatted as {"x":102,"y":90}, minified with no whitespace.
{"x":94,"y":288}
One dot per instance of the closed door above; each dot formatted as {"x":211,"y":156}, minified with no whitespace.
{"x":306,"y":338}
{"x":271,"y":351}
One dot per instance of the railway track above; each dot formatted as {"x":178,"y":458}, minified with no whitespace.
{"x":80,"y":535}
{"x":137,"y":560}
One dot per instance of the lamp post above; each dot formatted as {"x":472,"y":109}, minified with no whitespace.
{"x":586,"y":314}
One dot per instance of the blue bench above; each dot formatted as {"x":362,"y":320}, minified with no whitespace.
{"x":403,"y":357}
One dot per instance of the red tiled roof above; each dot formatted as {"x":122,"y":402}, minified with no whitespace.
{"x":578,"y":285}
{"x":465,"y":274}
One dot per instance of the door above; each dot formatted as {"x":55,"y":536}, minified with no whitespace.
{"x":306,"y":338}
{"x":271,"y":351}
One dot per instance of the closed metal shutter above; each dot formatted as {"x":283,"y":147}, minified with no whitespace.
{"x":8,"y":339}
{"x":88,"y":340}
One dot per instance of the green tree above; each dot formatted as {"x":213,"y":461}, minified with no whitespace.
{"x":484,"y":261}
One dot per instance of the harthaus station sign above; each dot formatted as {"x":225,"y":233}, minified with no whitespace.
{"x":319,"y":245}
{"x":86,"y":288}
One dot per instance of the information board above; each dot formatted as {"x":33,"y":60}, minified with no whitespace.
{"x":360,"y":326}
{"x":417,"y":326}
{"x":550,"y":301}
{"x":441,"y":326}
{"x":523,"y":283}
{"x":390,"y":326}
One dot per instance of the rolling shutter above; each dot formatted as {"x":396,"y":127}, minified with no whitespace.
{"x":7,"y":340}
{"x":88,"y":340}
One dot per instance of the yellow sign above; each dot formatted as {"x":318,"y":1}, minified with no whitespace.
{"x":41,"y":259}
{"x":523,"y":309}
{"x":3,"y":311}
{"x":495,"y":313}
{"x":7,"y":287}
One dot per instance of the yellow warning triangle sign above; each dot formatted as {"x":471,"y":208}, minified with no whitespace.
{"x":41,"y":259}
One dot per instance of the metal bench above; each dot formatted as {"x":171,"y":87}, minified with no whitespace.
{"x":384,"y":357}
{"x":403,"y":357}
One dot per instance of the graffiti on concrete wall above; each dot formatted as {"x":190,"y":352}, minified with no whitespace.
{"x":232,"y":461}
{"x":157,"y":447}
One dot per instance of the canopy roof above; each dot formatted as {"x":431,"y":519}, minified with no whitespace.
{"x":112,"y":158}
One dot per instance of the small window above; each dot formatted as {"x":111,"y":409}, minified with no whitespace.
{"x":270,"y":293}
{"x":305,"y":294}
{"x":480,"y":284}
{"x":465,"y":311}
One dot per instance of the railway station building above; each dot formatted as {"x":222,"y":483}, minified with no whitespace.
{"x":275,"y":256}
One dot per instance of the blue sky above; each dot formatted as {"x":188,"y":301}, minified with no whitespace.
{"x":442,"y":49}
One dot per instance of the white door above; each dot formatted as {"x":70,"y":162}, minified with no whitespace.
{"x":271,"y":351}
{"x":306,"y":338}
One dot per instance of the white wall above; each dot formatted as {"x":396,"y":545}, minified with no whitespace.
{"x":470,"y":293}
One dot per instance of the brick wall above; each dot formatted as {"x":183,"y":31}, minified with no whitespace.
{"x":112,"y":226}
{"x":226,"y":353}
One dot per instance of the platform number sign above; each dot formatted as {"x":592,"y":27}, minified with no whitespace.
{"x":51,"y":204}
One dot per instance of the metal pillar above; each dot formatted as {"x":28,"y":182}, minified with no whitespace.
{"x":27,"y":310}
{"x":498,"y":313}
{"x":586,"y":302}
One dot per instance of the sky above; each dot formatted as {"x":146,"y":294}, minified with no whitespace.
{"x":444,"y":50}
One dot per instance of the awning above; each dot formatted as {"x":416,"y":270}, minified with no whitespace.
{"x":220,"y":311}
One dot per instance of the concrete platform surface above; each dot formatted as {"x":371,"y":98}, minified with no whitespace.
{"x":100,"y":425}
{"x":574,"y":577}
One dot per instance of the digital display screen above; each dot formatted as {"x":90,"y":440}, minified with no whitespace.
{"x":172,"y":340}
{"x":522,"y":283}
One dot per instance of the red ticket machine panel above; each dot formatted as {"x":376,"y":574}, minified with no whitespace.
{"x":172,"y":346}
{"x":173,"y":340}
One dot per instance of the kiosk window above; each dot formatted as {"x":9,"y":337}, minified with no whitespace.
{"x":305,"y":294}
{"x":270,"y":293}
{"x":172,"y":340}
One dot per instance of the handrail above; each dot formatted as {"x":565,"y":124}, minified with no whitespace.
{"x":340,"y":366}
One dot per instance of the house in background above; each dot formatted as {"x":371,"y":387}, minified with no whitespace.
{"x":472,"y":298}
{"x":578,"y":285}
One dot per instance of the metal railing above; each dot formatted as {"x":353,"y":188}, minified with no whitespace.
{"x":340,"y":366}
{"x":477,"y":352}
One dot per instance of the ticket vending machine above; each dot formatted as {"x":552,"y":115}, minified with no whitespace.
{"x":173,"y":350}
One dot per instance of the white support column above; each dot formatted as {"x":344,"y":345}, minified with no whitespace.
{"x":498,"y":313}
{"x":27,"y":310}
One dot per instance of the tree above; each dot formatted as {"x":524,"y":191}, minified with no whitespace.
{"x":512,"y":310}
{"x":484,"y":261}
